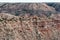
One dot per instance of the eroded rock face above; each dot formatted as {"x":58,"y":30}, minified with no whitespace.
{"x":28,"y":27}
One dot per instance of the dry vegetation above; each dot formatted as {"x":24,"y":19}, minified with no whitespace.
{"x":29,"y":27}
{"x":30,"y":21}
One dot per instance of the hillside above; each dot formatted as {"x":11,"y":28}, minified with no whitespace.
{"x":22,"y":8}
{"x":29,"y":27}
{"x":55,"y":5}
{"x":37,"y":21}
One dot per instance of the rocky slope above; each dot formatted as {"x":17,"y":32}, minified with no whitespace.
{"x":36,"y":21}
{"x":22,"y":8}
{"x":55,"y":5}
{"x":29,"y":27}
